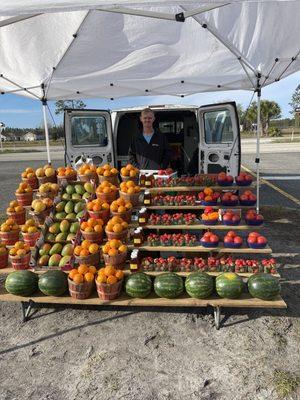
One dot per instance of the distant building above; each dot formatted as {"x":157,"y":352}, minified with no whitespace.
{"x":32,"y":137}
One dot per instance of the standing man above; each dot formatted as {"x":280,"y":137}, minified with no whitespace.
{"x":149,"y":149}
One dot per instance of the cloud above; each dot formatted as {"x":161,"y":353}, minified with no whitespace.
{"x":17,"y":111}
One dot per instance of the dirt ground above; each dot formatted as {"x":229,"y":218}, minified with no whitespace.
{"x":65,"y":353}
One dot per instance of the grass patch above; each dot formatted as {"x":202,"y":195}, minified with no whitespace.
{"x":3,"y":218}
{"x":9,"y":151}
{"x":285,"y":383}
{"x":32,"y":144}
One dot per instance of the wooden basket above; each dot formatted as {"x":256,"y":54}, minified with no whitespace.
{"x":4,"y":260}
{"x":109,"y":292}
{"x":107,"y":197}
{"x":115,"y":261}
{"x":112,"y":179}
{"x":31,"y":238}
{"x":119,"y":236}
{"x":39,"y":218}
{"x":20,"y":263}
{"x":126,"y":216}
{"x":33,"y":182}
{"x":91,"y":259}
{"x":24,"y":199}
{"x":128,"y":178}
{"x":89,"y":177}
{"x":133,"y":198}
{"x":93,"y":237}
{"x":68,"y":179}
{"x":9,"y":238}
{"x":80,"y":291}
{"x":50,"y":195}
{"x":45,"y":179}
{"x":18,"y":217}
{"x":104,"y":215}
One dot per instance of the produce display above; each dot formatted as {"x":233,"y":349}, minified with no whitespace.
{"x":247,"y":198}
{"x":209,"y":216}
{"x":46,"y":171}
{"x":120,"y":206}
{"x":229,"y":285}
{"x":129,"y":172}
{"x":210,"y":264}
{"x":48,"y":189}
{"x":107,"y":171}
{"x":254,"y":219}
{"x":67,"y":173}
{"x":107,"y":192}
{"x":86,"y":248}
{"x":16,"y":212}
{"x":209,"y":239}
{"x":229,"y":199}
{"x":209,"y":197}
{"x":243,"y":179}
{"x":21,"y":283}
{"x":61,"y":231}
{"x":53,"y":283}
{"x":109,"y":275}
{"x":24,"y":194}
{"x":78,"y":191}
{"x":199,"y":285}
{"x":168,"y":285}
{"x":138,"y":285}
{"x":174,"y":239}
{"x":224,"y":179}
{"x":197,"y":180}
{"x":55,"y":255}
{"x":9,"y":232}
{"x":92,"y":229}
{"x":39,"y":206}
{"x":178,"y":200}
{"x":84,"y":273}
{"x":29,"y":176}
{"x":116,"y":228}
{"x":264,"y":286}
{"x":172,"y":219}
{"x":19,"y":256}
{"x":3,"y":256}
{"x":88,"y":170}
{"x":70,"y":209}
{"x":256,"y":240}
{"x":232,"y":240}
{"x":231,"y":217}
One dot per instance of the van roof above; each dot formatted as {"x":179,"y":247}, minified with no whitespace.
{"x":158,"y":107}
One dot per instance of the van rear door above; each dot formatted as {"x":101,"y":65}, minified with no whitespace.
{"x":88,"y":134}
{"x":220,"y":143}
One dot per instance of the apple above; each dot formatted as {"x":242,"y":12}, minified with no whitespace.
{"x":261,"y":240}
{"x":228,"y":239}
{"x":238,"y":240}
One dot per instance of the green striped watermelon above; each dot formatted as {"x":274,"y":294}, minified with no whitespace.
{"x":21,"y":283}
{"x":264,"y":286}
{"x":168,"y":285}
{"x":229,"y":285}
{"x":199,"y":285}
{"x":138,"y":285}
{"x":53,"y":283}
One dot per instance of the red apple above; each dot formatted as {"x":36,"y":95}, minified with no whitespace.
{"x":238,"y":240}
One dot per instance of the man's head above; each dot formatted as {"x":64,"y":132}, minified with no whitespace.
{"x":147,"y":118}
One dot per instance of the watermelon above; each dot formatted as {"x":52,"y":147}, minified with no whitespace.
{"x":199,"y":285}
{"x":21,"y":283}
{"x":264,"y":286}
{"x":229,"y":285}
{"x":138,"y":285}
{"x":53,"y":283}
{"x":168,"y":285}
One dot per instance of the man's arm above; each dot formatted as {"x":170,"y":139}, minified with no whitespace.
{"x":132,"y":154}
{"x":166,"y":154}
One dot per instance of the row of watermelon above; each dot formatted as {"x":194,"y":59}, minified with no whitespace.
{"x":169,"y":285}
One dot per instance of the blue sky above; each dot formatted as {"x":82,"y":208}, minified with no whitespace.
{"x":17,"y":111}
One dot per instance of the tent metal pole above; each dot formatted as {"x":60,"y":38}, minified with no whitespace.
{"x":44,"y":105}
{"x":257,"y":160}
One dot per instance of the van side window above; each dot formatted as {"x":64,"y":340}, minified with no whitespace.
{"x":88,"y":131}
{"x":218,"y":127}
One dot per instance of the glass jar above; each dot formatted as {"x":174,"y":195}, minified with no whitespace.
{"x":143,"y":216}
{"x":134,"y":263}
{"x":149,"y":181}
{"x":147,"y":198}
{"x":138,"y":237}
{"x":142,"y":179}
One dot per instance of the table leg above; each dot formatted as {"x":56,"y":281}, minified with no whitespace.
{"x":217,"y":316}
{"x":26,"y":308}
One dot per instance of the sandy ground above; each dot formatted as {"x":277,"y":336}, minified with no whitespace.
{"x":65,"y":353}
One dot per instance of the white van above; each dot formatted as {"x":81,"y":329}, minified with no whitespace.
{"x":211,"y":131}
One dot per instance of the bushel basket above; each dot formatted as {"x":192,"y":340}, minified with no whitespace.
{"x":18,"y":217}
{"x":45,"y":179}
{"x":80,"y":291}
{"x":134,"y":198}
{"x":111,"y":179}
{"x":94,"y":237}
{"x":119,"y":236}
{"x":126,"y":216}
{"x":109,"y":292}
{"x":115,"y":261}
{"x":91,"y":259}
{"x":24,"y":199}
{"x":33,"y":182}
{"x":20,"y":263}
{"x":9,"y":238}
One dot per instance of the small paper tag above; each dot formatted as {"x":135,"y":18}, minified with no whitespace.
{"x":137,"y":241}
{"x":146,"y":201}
{"x":142,"y":220}
{"x":133,"y":266}
{"x":147,"y":183}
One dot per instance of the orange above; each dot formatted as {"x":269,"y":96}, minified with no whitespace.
{"x":90,"y":206}
{"x":78,"y":278}
{"x":130,"y":184}
{"x":122,"y":248}
{"x":83,"y":268}
{"x":98,"y":228}
{"x":105,"y":249}
{"x":117,"y":228}
{"x":121,"y":209}
{"x":131,"y":190}
{"x":86,"y":244}
{"x":114,"y":171}
{"x":110,"y":226}
{"x":106,"y":173}
{"x":119,"y":274}
{"x":19,"y":245}
{"x":111,"y":279}
{"x":105,"y":206}
{"x":101,"y":278}
{"x":116,"y":220}
{"x":96,"y":207}
{"x":13,"y":252}
{"x":92,"y":222}
{"x":112,"y":252}
{"x":208,"y":191}
{"x":94,"y":248}
{"x":89,"y":277}
{"x":101,"y":271}
{"x":132,"y":174}
{"x":77,"y":250}
{"x":109,"y":270}
{"x":124,"y":225}
{"x":124,"y":171}
{"x":21,"y":252}
{"x":114,"y":207}
{"x":92,"y":269}
{"x":114,"y":243}
{"x":72,"y":273}
{"x":89,"y":229}
{"x":84,"y":253}
{"x":83,"y":225}
{"x":129,"y":167}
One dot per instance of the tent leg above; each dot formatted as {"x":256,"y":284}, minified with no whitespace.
{"x":46,"y":130}
{"x":26,"y":308}
{"x":217,"y":317}
{"x":257,"y":159}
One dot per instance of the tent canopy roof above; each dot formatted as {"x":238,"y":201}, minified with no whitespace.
{"x":68,"y":49}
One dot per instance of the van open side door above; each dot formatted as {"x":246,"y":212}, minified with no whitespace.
{"x":88,"y":134}
{"x":219,"y":139}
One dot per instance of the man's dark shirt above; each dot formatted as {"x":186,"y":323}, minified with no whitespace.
{"x":155,"y":155}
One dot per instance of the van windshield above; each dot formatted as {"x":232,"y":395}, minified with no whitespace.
{"x":89,"y":131}
{"x":218,"y":127}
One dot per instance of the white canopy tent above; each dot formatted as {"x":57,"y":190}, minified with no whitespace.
{"x":68,"y":49}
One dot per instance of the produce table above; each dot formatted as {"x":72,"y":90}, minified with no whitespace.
{"x":152,"y":301}
{"x":197,"y":188}
{"x":200,"y":249}
{"x":201,"y":226}
{"x":196,"y":207}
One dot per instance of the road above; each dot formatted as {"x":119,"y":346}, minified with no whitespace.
{"x":280,"y":166}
